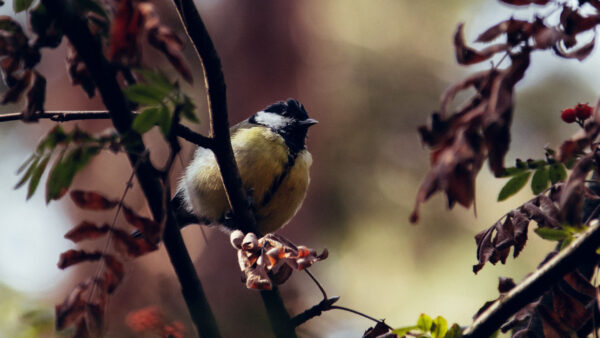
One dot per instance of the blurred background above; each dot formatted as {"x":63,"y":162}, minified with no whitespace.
{"x":370,"y":72}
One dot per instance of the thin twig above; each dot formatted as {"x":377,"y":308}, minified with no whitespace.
{"x":361,"y":314}
{"x":316,"y":282}
{"x":77,"y":115}
{"x":109,"y":237}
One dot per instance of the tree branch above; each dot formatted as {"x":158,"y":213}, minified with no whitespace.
{"x":314,"y":311}
{"x":219,"y":122}
{"x":537,"y":283}
{"x":89,"y":49}
{"x":217,"y":99}
{"x":66,"y":116}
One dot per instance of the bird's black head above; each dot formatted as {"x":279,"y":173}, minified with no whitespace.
{"x":289,"y":119}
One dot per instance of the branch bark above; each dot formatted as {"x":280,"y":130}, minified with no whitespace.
{"x":104,"y":75}
{"x":536,"y":284}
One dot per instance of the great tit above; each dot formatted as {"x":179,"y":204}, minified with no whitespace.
{"x":271,"y":155}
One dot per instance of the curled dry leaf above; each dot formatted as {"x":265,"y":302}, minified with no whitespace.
{"x":78,"y":72}
{"x":73,"y":307}
{"x":271,"y":258}
{"x":466,"y":55}
{"x":580,"y":53}
{"x":164,"y":39}
{"x":18,"y":59}
{"x":124,"y":31}
{"x":135,"y":18}
{"x":36,"y":96}
{"x":91,"y":200}
{"x":128,"y":245}
{"x":494,"y":243}
{"x":573,"y":192}
{"x":481,"y":128}
{"x":114,"y":273}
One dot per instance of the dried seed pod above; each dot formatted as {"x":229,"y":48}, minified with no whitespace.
{"x":236,"y":239}
{"x":250,"y":242}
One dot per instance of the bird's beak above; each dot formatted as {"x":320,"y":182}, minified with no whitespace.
{"x":308,"y":122}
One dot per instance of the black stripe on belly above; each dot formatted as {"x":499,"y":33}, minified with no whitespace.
{"x":279,"y":179}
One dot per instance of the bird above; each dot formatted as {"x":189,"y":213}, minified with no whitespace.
{"x":270,"y":151}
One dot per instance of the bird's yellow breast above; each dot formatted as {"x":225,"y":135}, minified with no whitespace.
{"x":262,"y":157}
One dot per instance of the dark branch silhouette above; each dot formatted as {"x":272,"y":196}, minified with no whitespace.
{"x":104,"y":76}
{"x":66,"y":116}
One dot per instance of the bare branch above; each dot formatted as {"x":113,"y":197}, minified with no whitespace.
{"x":70,"y":115}
{"x":537,"y":283}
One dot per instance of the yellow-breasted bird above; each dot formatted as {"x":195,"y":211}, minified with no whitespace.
{"x":271,"y":155}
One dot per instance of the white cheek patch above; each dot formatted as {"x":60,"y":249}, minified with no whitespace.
{"x":272,"y":120}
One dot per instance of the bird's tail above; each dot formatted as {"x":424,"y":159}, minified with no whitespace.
{"x":183,"y":216}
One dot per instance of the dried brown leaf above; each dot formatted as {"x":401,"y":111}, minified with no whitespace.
{"x":73,"y":256}
{"x":36,"y":96}
{"x":466,"y":55}
{"x":14,"y":92}
{"x":148,"y":227}
{"x":133,"y":247}
{"x":125,"y":30}
{"x":114,"y":273}
{"x":78,"y":72}
{"x":72,"y":308}
{"x":571,"y":199}
{"x":580,"y":53}
{"x":453,"y":170}
{"x":91,"y":200}
{"x":87,"y":230}
{"x":164,"y":39}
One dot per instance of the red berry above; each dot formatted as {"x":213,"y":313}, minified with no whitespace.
{"x":568,"y":115}
{"x":583,"y":111}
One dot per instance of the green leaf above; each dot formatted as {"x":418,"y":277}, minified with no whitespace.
{"x":566,"y":242}
{"x":26,"y":163}
{"x":424,"y":322}
{"x":553,"y":234}
{"x":21,"y":5}
{"x":146,"y":120}
{"x":440,"y":327}
{"x":570,"y":163}
{"x":539,"y":181}
{"x":29,"y":172}
{"x":187,"y":109}
{"x":454,"y":332}
{"x":534,"y":164}
{"x":55,"y":136}
{"x":144,"y":94}
{"x":513,"y":185}
{"x":157,"y":80}
{"x":36,"y":175}
{"x":401,"y":331}
{"x":557,"y":173}
{"x":512,"y":171}
{"x":165,"y":121}
{"x":64,"y":171}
